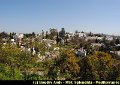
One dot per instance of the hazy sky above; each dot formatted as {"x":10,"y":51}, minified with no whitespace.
{"x":101,"y":16}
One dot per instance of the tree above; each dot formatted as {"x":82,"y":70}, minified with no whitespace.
{"x":11,"y":35}
{"x":86,"y":71}
{"x":33,"y":34}
{"x":115,"y":73}
{"x":42,"y":34}
{"x":117,"y":41}
{"x":53,"y":33}
{"x":47,"y":35}
{"x":58,"y":40}
{"x":76,"y":34}
{"x":3,"y":35}
{"x":16,"y":60}
{"x":66,"y":66}
{"x":62,"y":33}
{"x":90,"y":34}
{"x":96,"y":40}
{"x":8,"y":73}
{"x":102,"y":64}
{"x":104,"y":40}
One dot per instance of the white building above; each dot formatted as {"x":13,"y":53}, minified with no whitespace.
{"x":93,"y":38}
{"x":110,"y":38}
{"x":81,"y":52}
{"x":100,"y":38}
{"x":116,"y":52}
{"x":18,"y":36}
{"x":82,"y":34}
{"x":96,"y":44}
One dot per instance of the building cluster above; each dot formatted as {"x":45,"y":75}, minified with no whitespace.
{"x":26,"y":43}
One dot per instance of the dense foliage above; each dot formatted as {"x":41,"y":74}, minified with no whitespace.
{"x":59,"y":60}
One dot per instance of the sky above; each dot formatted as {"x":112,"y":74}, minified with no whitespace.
{"x":24,"y":16}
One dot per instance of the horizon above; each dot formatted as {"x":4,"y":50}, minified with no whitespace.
{"x":57,"y":30}
{"x":26,"y":16}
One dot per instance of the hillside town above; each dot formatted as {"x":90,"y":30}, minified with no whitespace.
{"x":53,"y":40}
{"x":59,"y":55}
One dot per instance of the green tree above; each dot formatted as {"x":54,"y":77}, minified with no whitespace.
{"x":42,"y":34}
{"x":62,"y":33}
{"x":33,"y":34}
{"x":117,"y":41}
{"x":86,"y":71}
{"x":102,"y":64}
{"x":8,"y":73}
{"x":66,"y":66}
{"x":47,"y":35}
{"x":53,"y":33}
